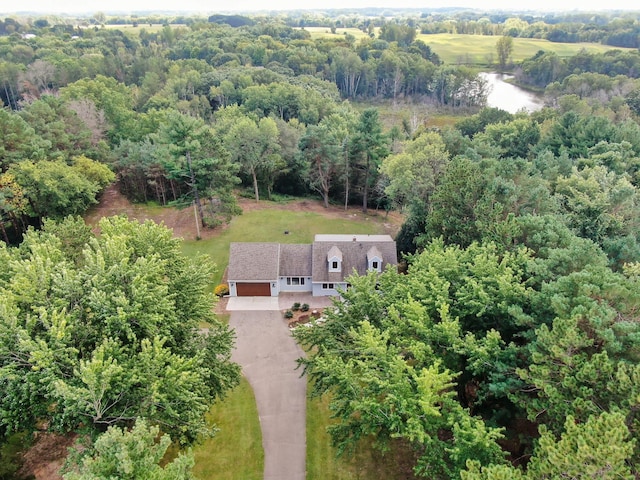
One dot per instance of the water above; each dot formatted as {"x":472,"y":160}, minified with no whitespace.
{"x":509,"y":97}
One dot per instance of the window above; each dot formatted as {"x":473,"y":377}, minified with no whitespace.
{"x":334,"y":259}
{"x":295,"y":280}
{"x":327,"y":286}
{"x":374,"y":265}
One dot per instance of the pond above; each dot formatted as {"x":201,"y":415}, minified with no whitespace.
{"x":509,"y":97}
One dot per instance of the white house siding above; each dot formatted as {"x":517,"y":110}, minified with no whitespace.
{"x":283,"y":287}
{"x":318,"y":291}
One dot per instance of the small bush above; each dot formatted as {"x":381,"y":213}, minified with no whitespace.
{"x":304,"y":307}
{"x":296,"y":307}
{"x":221,"y":290}
{"x":288,"y":314}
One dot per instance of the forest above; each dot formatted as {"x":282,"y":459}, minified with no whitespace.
{"x":504,"y":348}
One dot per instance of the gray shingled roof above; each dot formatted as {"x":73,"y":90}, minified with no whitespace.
{"x":295,"y":260}
{"x":253,"y":261}
{"x":372,"y":253}
{"x":268,"y":261}
{"x":334,"y":252}
{"x":360,"y":237}
{"x":354,"y":255}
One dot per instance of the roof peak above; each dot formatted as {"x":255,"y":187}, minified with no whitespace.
{"x":356,"y":237}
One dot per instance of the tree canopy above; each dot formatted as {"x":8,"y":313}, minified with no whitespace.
{"x":99,"y":331}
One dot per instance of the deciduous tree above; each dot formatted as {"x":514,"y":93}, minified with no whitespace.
{"x":504,"y":49}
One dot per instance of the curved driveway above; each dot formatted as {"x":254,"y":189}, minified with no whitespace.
{"x":267,"y":353}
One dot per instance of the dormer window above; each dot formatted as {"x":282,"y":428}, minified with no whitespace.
{"x":334,"y":258}
{"x":374,"y":260}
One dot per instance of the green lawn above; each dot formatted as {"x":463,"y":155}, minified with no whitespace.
{"x":235,"y":453}
{"x":269,"y":225}
{"x":481,"y":49}
{"x":364,"y":464}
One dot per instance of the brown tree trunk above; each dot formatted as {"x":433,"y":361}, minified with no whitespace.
{"x":4,"y":232}
{"x":255,"y":184}
{"x":365,"y":193}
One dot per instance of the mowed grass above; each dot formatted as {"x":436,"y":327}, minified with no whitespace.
{"x":365,"y":463}
{"x":269,"y":225}
{"x":481,"y":49}
{"x":235,"y":453}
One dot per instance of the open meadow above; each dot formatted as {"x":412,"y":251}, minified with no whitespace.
{"x":479,"y":50}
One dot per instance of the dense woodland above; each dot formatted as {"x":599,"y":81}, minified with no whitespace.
{"x":506,"y":346}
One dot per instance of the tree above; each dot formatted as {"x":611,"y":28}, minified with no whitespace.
{"x":272,"y":165}
{"x":368,"y":148}
{"x":453,"y":214}
{"x":348,"y":69}
{"x":599,"y":204}
{"x":19,"y":140}
{"x":112,"y":97}
{"x":13,"y":205}
{"x":579,"y":453}
{"x":401,"y":353}
{"x":414,"y":173}
{"x":254,"y":147}
{"x":135,"y":454}
{"x":323,"y":154}
{"x":504,"y":49}
{"x":199,"y":160}
{"x":116,"y":336}
{"x":55,"y":189}
{"x":516,"y":138}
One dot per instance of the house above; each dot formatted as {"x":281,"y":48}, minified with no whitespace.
{"x":268,"y":269}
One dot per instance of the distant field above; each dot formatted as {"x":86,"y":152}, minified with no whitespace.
{"x":475,"y":49}
{"x":130,"y":29}
{"x":325,"y":32}
{"x":481,"y":49}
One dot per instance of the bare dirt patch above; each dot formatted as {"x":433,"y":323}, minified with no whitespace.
{"x":182,"y":221}
{"x":112,"y":202}
{"x":46,"y":457}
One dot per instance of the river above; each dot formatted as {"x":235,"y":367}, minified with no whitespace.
{"x":509,"y":97}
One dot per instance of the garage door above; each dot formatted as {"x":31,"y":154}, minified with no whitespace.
{"x":253,"y":289}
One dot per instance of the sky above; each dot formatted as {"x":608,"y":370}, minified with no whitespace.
{"x":220,"y":6}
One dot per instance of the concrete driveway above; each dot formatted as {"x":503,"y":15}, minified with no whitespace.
{"x":267,"y":353}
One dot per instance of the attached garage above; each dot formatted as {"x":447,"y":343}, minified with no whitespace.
{"x":253,"y":269}
{"x":253,"y":289}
